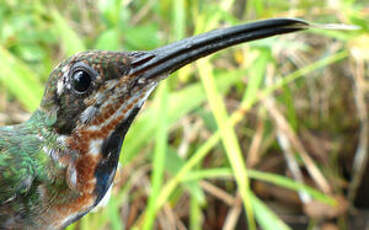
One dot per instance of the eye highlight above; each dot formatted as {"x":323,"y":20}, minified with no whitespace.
{"x":81,"y":81}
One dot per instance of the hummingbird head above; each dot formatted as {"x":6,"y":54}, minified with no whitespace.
{"x":92,"y":90}
{"x":94,"y":97}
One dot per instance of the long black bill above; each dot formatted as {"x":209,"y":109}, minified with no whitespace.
{"x":170,"y":58}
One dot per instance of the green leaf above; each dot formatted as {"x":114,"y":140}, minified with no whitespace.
{"x":266,"y":217}
{"x":109,"y":40}
{"x":141,"y":37}
{"x":70,"y":40}
{"x":20,"y":80}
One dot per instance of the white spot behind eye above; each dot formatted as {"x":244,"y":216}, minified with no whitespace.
{"x":65,"y":68}
{"x":60,"y":87}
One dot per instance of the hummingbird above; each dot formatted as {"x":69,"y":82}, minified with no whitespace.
{"x":58,"y":165}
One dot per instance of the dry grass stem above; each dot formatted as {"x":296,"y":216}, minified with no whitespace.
{"x":361,"y":155}
{"x":233,"y":214}
{"x":217,"y":192}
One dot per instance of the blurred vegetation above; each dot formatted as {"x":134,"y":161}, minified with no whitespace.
{"x":186,"y":160}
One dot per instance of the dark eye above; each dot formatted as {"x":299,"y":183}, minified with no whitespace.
{"x":81,"y":81}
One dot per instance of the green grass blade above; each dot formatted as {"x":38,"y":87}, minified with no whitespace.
{"x":229,"y":137}
{"x":214,"y":173}
{"x":291,"y":184}
{"x":179,"y":19}
{"x":266,"y":217}
{"x":256,"y":76}
{"x":113,"y":214}
{"x":195,"y":214}
{"x":275,"y":179}
{"x":173,"y":164}
{"x":70,"y":40}
{"x":161,"y":148}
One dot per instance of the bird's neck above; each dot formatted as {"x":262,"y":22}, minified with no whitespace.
{"x":41,"y":124}
{"x":88,"y":165}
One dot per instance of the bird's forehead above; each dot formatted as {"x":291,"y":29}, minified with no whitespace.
{"x":108,"y":64}
{"x":102,"y":57}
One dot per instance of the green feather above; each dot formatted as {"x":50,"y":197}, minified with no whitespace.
{"x":23,"y":163}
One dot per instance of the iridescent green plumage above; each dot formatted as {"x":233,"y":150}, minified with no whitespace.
{"x":24,"y":165}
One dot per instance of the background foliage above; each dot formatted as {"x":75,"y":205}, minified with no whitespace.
{"x":211,"y":141}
